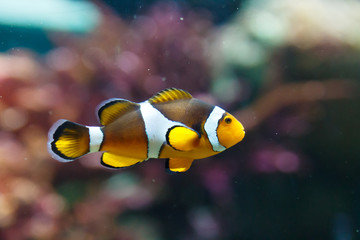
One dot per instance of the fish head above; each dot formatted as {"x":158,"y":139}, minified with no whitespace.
{"x":230,"y":131}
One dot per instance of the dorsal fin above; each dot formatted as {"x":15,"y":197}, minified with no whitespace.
{"x":169,"y":94}
{"x":112,"y":109}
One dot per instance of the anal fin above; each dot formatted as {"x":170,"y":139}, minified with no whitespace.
{"x":176,"y":165}
{"x":115,"y":161}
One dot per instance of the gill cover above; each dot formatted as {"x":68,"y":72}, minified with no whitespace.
{"x":230,"y":131}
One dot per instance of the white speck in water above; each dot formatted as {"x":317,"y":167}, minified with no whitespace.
{"x":148,"y":69}
{"x":181,"y":19}
{"x":153,"y":180}
{"x":50,"y":112}
{"x":357,"y":230}
{"x":163,"y":79}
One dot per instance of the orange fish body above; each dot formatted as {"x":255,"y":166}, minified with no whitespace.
{"x":172,"y":125}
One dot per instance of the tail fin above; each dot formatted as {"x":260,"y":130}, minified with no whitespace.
{"x":68,"y":141}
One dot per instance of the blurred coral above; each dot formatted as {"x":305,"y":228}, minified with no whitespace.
{"x":288,"y":70}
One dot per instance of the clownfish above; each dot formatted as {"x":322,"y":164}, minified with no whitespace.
{"x":171,"y":125}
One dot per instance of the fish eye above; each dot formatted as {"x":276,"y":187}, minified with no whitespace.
{"x":227,"y":120}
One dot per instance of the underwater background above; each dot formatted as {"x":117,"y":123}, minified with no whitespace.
{"x":288,"y":70}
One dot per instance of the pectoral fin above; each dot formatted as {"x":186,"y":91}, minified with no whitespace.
{"x":115,"y":161}
{"x":182,"y":138}
{"x":176,"y":165}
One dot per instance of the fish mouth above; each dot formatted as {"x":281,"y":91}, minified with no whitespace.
{"x":242,"y":136}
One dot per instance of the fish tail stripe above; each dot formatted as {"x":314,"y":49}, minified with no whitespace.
{"x":96,"y":138}
{"x":211,"y":126}
{"x":68,"y":141}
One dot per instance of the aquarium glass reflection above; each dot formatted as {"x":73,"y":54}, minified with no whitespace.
{"x":288,"y":71}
